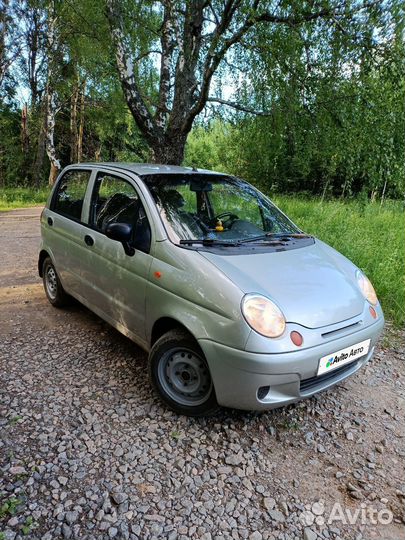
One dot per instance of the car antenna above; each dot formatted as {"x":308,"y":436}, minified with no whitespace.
{"x":194,"y":168}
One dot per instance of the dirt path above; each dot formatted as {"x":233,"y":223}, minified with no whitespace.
{"x":87,"y":451}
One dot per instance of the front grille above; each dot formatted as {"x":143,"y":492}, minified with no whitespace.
{"x":344,"y":329}
{"x":312,"y":382}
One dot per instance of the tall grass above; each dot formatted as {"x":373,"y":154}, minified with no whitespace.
{"x":22,"y":197}
{"x":370,"y":235}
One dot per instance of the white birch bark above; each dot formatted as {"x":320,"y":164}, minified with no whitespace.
{"x":51,"y":98}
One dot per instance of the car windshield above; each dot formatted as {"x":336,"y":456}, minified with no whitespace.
{"x":215,"y":208}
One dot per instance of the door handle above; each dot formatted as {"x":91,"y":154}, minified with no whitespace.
{"x":89,"y":240}
{"x":50,"y":221}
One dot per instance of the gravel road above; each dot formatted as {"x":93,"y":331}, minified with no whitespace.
{"x":87,"y":450}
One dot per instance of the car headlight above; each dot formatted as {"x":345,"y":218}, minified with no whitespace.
{"x":263,"y":315}
{"x":366,"y":287}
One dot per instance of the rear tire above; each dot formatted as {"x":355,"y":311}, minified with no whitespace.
{"x":179,"y":373}
{"x":52,"y":285}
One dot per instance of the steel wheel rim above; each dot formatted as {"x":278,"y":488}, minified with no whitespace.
{"x":51,"y":282}
{"x":185,"y":377}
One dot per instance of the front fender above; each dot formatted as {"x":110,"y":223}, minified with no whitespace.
{"x":189,"y":289}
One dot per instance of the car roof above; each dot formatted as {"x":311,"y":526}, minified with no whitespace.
{"x":143,"y":169}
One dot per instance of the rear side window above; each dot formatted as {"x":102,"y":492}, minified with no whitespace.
{"x":70,"y":194}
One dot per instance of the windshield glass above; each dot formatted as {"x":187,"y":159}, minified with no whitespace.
{"x":214,"y":208}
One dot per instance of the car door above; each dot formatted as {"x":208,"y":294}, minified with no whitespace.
{"x":65,"y":232}
{"x":115,"y":283}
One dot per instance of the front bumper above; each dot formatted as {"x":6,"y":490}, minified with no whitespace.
{"x":256,"y":381}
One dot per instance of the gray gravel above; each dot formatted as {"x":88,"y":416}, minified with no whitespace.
{"x":87,"y":450}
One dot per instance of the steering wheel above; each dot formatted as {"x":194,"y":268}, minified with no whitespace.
{"x":231,"y":218}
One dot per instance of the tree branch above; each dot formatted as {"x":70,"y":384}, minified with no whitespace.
{"x":215,"y":55}
{"x":239,"y":107}
{"x":129,"y":84}
{"x":186,"y":66}
{"x":167,"y":40}
{"x":217,"y":22}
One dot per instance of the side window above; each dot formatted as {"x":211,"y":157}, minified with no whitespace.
{"x":70,"y":194}
{"x":116,"y":201}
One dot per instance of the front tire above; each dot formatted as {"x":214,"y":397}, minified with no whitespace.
{"x":52,"y":285}
{"x":180,"y":374}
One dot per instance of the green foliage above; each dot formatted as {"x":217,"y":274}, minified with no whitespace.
{"x":209,"y":148}
{"x":28,"y":526}
{"x":349,"y":139}
{"x":332,"y":88}
{"x":11,"y":157}
{"x":369,"y":234}
{"x":22,"y":197}
{"x":9,"y":507}
{"x":334,"y":104}
{"x":14,"y":420}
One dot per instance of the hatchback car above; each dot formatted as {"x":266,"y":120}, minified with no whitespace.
{"x":235,"y":304}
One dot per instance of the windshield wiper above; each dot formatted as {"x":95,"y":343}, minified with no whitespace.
{"x":289,"y":235}
{"x":271,"y":238}
{"x":275,"y":238}
{"x":208,"y":242}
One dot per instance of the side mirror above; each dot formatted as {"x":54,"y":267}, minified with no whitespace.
{"x":121,"y":232}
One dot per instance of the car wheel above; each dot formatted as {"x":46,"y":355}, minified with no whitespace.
{"x":180,"y":374}
{"x":52,"y":285}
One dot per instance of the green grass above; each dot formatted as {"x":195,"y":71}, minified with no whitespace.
{"x":370,"y":235}
{"x":9,"y":507}
{"x":14,"y":420}
{"x":22,"y":197}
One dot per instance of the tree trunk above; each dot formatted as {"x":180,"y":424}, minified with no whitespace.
{"x":170,"y":151}
{"x":3,"y":31}
{"x":383,"y":193}
{"x":24,"y":129}
{"x":33,"y":42}
{"x":51,"y":107}
{"x":38,"y":166}
{"x":73,"y":122}
{"x":49,"y":140}
{"x":25,"y":144}
{"x":53,"y":174}
{"x":185,"y":78}
{"x":81,"y":123}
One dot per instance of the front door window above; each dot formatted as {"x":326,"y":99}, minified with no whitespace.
{"x":116,"y":201}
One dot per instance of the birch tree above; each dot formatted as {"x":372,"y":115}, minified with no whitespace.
{"x":51,"y":94}
{"x":9,"y":39}
{"x":195,"y":41}
{"x":3,"y":23}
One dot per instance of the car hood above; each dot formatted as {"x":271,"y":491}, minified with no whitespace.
{"x":314,"y":286}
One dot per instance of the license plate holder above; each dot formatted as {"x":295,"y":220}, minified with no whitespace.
{"x":343,"y":356}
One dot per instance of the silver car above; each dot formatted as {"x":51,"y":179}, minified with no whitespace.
{"x":235,"y":305}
